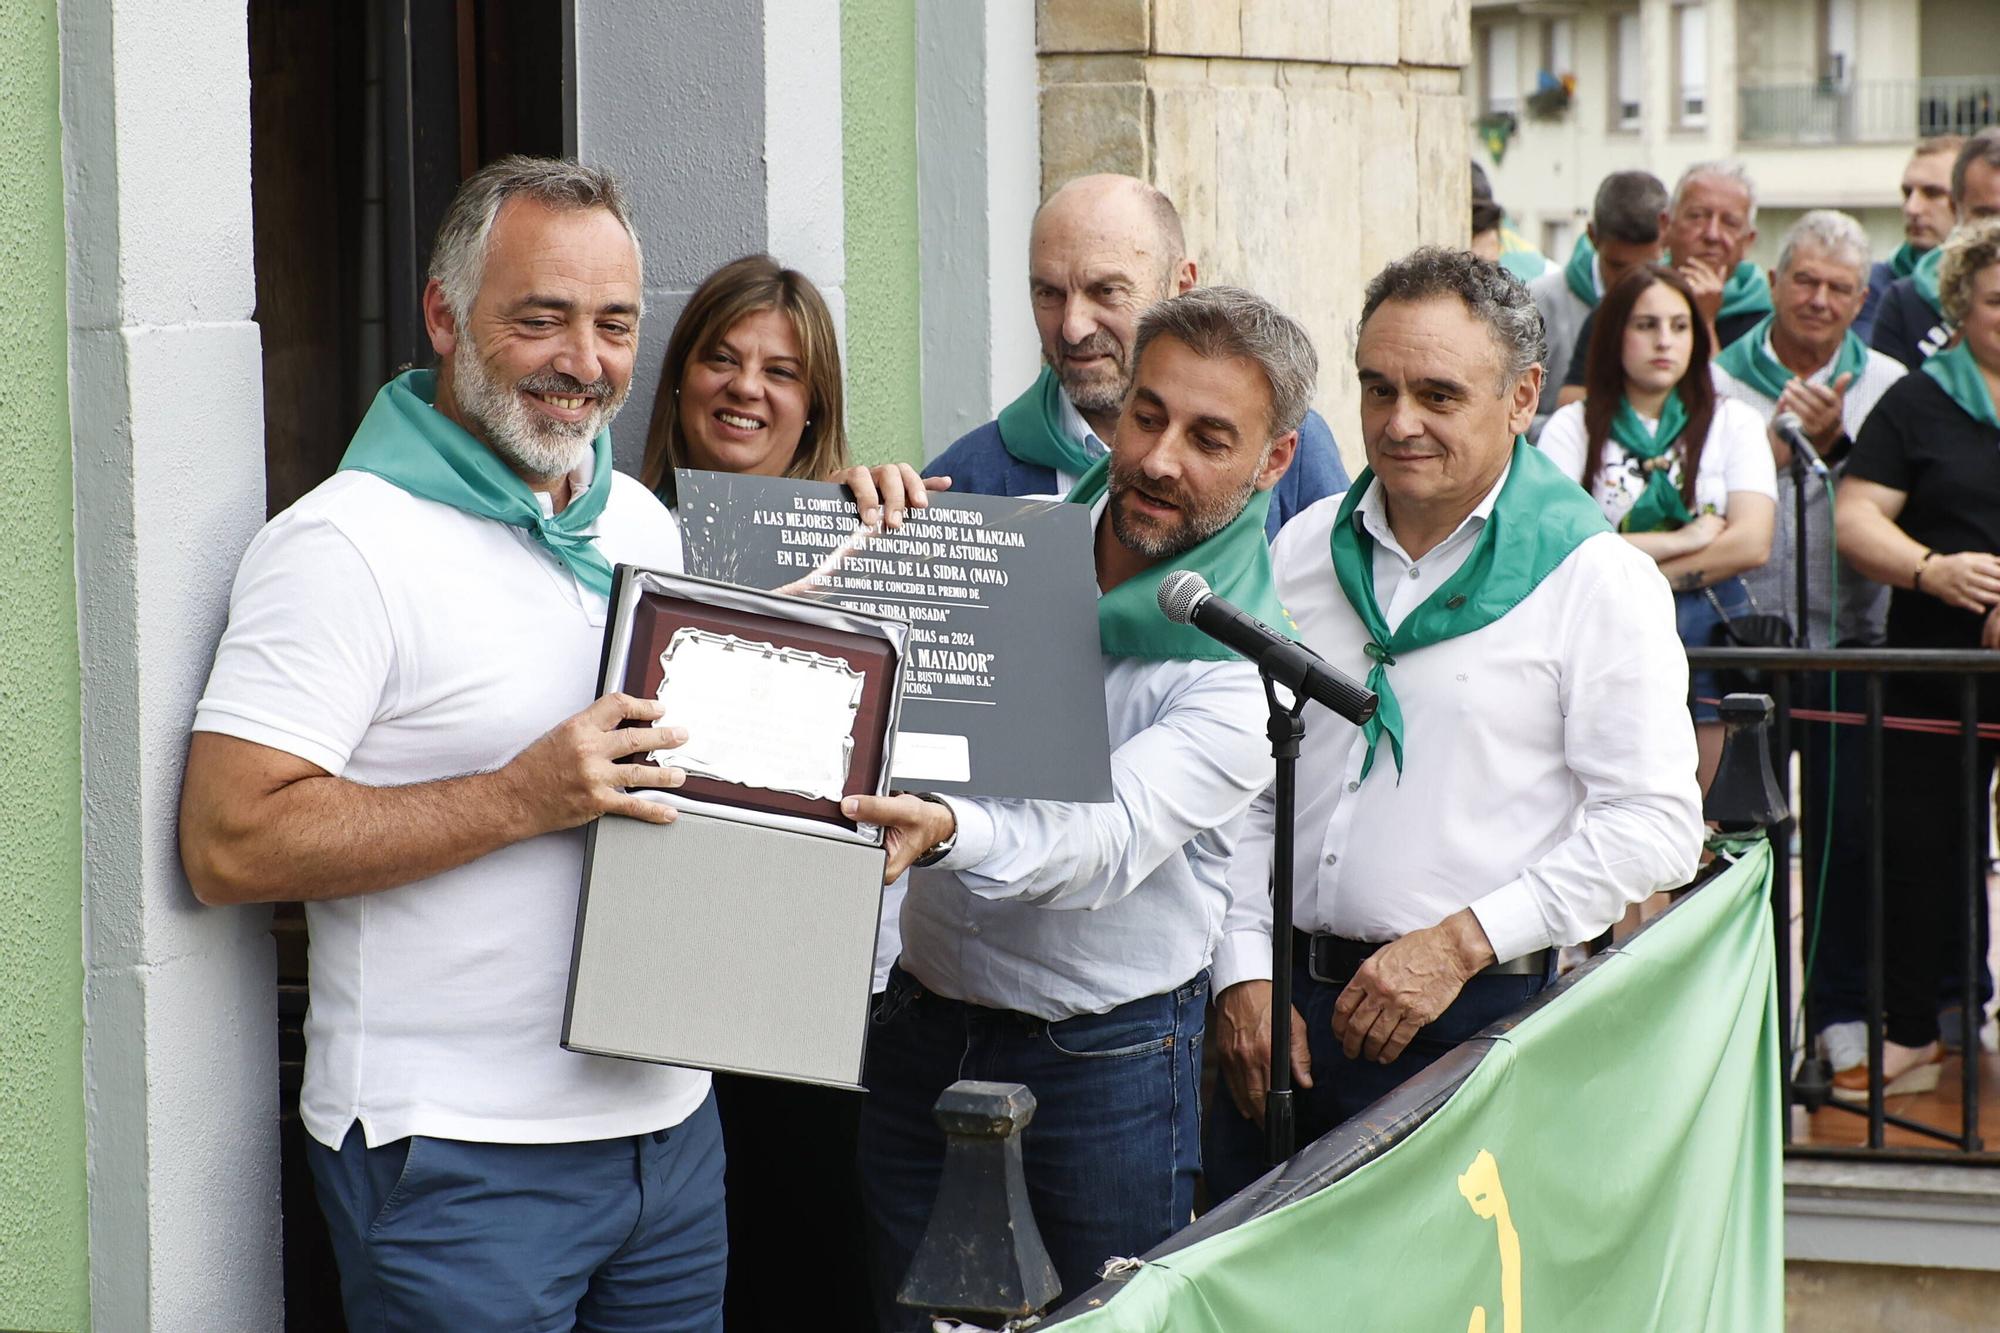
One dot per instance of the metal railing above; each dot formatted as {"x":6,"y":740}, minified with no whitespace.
{"x":1790,"y":674}
{"x":1867,"y":111}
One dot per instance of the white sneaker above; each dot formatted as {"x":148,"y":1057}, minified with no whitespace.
{"x":1844,"y":1045}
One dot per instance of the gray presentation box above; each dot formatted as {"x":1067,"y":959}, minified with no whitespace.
{"x":740,"y":937}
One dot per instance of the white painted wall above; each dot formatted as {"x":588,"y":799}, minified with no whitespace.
{"x":1552,"y":169}
{"x":1013,"y":193}
{"x":979,"y":183}
{"x":166,"y":400}
{"x":805,"y":194}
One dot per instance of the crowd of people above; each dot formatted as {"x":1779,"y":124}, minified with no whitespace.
{"x":1569,"y":480}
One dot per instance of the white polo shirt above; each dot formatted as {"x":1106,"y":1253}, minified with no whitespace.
{"x":389,"y":640}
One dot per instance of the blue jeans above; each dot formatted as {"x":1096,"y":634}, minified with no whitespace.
{"x":1111,"y":1154}
{"x":612,"y":1234}
{"x":1233,"y":1147}
{"x":1700,"y":625}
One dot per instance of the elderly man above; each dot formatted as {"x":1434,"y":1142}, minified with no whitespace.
{"x":1067,"y":946}
{"x":1531,"y":771}
{"x":1711,"y":224}
{"x":1103,"y":250}
{"x":1927,"y":219}
{"x":1910,"y":324}
{"x":1804,"y":358}
{"x":399,"y":732}
{"x":1626,"y":220}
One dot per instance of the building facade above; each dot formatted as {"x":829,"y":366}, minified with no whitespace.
{"x":214,"y":235}
{"x":1820,"y":99}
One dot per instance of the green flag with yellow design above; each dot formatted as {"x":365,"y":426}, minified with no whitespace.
{"x":1613,"y":1162}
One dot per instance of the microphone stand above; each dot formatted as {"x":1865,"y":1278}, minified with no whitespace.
{"x":1287,"y":730}
{"x":1801,"y":475}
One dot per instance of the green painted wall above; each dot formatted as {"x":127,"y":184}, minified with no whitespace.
{"x":878,"y":76}
{"x":44,"y":1251}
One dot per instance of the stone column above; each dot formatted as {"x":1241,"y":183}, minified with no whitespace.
{"x":166,"y":404}
{"x":1306,"y":142}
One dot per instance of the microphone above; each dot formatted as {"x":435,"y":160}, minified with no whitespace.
{"x":1792,"y":431}
{"x":1185,"y":599}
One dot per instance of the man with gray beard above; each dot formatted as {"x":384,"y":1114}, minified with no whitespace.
{"x":398,"y":731}
{"x":1066,"y":946}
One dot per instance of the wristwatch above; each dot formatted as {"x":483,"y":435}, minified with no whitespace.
{"x":942,"y":849}
{"x":1917,"y":579}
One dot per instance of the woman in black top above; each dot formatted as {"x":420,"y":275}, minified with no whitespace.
{"x":1919,"y":510}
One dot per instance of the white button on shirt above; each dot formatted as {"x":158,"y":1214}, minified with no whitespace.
{"x":1549,"y":761}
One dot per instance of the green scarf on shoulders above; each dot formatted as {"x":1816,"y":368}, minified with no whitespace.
{"x":1581,"y":272}
{"x":1236,"y":561}
{"x":1538,"y":518}
{"x":1031,"y":428}
{"x":1961,"y":377}
{"x":1659,"y":507}
{"x":1925,"y":276}
{"x":410,"y":444}
{"x":1746,"y":293}
{"x":1747,"y":360}
{"x":1904,"y":261}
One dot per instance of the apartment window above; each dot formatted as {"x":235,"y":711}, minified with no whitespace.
{"x":1559,"y":46}
{"x":1628,"y":65}
{"x":1558,"y":235}
{"x":1838,"y":40}
{"x":1691,"y":64}
{"x":1501,"y":67}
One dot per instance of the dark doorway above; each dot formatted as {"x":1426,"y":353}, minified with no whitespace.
{"x":364,"y":117}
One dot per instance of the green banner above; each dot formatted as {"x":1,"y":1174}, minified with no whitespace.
{"x":1614,"y":1162}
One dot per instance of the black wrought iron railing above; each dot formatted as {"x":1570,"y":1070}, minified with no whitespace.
{"x":1853,"y":686}
{"x":1867,"y":111}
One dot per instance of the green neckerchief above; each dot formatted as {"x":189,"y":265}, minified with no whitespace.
{"x":1538,"y":518}
{"x":1961,"y":378}
{"x":1659,"y":507}
{"x":1747,"y":360}
{"x":1925,"y":276}
{"x":1031,"y":428}
{"x":1746,"y":292}
{"x":1581,"y":272}
{"x":410,"y":444}
{"x":1904,"y":261}
{"x":1236,"y":562}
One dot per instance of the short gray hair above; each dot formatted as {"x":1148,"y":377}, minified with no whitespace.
{"x":1733,"y":172}
{"x":1628,"y":207}
{"x":1830,"y":230}
{"x":1968,"y":251}
{"x":458,"y":257}
{"x":1230,"y":321}
{"x":1981,"y":147}
{"x":1496,"y":297}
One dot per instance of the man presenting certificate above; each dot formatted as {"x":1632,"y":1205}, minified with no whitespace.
{"x":1067,"y":946}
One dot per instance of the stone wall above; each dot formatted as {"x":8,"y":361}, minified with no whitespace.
{"x":1307,"y":142}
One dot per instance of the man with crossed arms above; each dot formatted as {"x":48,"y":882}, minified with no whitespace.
{"x":1531,"y":768}
{"x":1065,"y":945}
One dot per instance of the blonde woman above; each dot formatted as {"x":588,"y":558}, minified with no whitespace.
{"x":751,"y":382}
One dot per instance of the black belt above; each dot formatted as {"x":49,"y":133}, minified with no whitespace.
{"x":1335,"y":960}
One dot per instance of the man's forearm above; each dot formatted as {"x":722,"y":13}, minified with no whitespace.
{"x":325,"y":837}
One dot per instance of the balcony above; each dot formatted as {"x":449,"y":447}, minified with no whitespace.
{"x":1874,"y":111}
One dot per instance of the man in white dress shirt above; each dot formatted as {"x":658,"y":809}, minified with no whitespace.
{"x":1531,"y":769}
{"x":1808,"y":360}
{"x":1067,"y":946}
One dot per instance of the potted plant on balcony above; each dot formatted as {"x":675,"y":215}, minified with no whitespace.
{"x":1552,"y":97}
